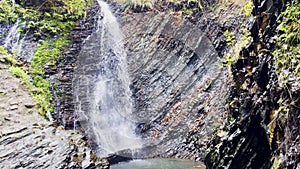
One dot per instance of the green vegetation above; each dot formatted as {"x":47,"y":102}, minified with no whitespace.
{"x":190,"y":7}
{"x":9,"y":59}
{"x":232,"y":56}
{"x":20,"y":73}
{"x":143,"y":4}
{"x":46,"y":55}
{"x":51,"y":22}
{"x":54,"y":17}
{"x":248,"y":8}
{"x":8,"y":11}
{"x":188,"y":12}
{"x":14,"y":69}
{"x":287,"y":64}
{"x":287,"y":53}
{"x":186,"y":8}
{"x":230,"y":38}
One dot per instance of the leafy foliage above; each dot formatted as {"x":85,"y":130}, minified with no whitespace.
{"x":233,"y":54}
{"x":287,"y":53}
{"x":230,"y":37}
{"x":20,"y":73}
{"x":248,"y":8}
{"x":287,"y":64}
{"x":47,"y":54}
{"x":51,"y":19}
{"x":8,"y":11}
{"x":54,"y":17}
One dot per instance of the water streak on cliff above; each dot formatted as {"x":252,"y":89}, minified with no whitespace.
{"x":102,"y":93}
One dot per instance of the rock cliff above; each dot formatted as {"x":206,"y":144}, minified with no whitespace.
{"x":27,"y":140}
{"x":256,"y":136}
{"x":179,"y":86}
{"x":186,"y":103}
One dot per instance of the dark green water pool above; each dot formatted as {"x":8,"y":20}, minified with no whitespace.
{"x":159,"y":164}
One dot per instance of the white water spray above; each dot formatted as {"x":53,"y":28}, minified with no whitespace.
{"x":109,"y":114}
{"x":12,"y":39}
{"x":19,"y":44}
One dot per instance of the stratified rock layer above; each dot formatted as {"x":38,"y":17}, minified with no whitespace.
{"x":178,"y":84}
{"x":256,"y":137}
{"x":27,"y":140}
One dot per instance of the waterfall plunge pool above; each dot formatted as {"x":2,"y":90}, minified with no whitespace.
{"x":159,"y":163}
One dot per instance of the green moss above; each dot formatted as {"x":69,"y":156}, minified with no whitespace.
{"x":9,"y":59}
{"x":287,"y":52}
{"x":47,"y":54}
{"x":248,"y":8}
{"x":20,"y":73}
{"x":47,"y":20}
{"x":14,"y":69}
{"x":8,"y":11}
{"x":52,"y":19}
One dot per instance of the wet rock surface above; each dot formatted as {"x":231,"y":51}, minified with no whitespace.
{"x":27,"y":140}
{"x":22,"y":45}
{"x":4,"y":29}
{"x":179,"y":90}
{"x":255,"y":137}
{"x":63,"y":79}
{"x":178,"y":87}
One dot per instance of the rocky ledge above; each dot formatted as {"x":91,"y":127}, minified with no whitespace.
{"x":27,"y":140}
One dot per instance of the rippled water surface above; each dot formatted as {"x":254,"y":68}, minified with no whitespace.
{"x":159,"y":164}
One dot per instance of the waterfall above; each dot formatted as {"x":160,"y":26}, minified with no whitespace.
{"x":18,"y":43}
{"x":12,"y":40}
{"x":102,"y":93}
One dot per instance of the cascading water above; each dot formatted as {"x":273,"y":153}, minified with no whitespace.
{"x":19,"y":43}
{"x":12,"y":39}
{"x":102,"y":93}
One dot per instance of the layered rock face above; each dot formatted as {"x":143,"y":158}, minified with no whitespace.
{"x":181,"y":94}
{"x":178,"y":85}
{"x":179,"y":89}
{"x":256,"y":136}
{"x":27,"y":140}
{"x":64,"y":75}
